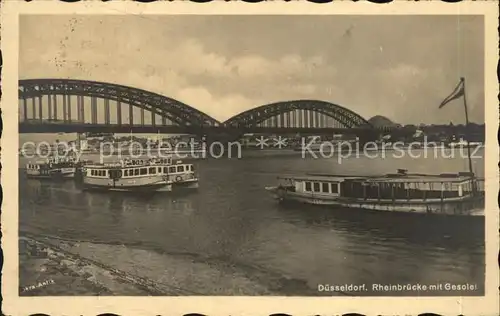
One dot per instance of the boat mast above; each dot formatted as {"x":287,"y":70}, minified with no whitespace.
{"x":467,"y":126}
{"x":467,"y":139}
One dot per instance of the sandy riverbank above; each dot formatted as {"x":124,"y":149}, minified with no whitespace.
{"x":45,"y":270}
{"x":51,"y":266}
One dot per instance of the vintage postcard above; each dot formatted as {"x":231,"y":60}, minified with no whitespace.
{"x":242,"y":159}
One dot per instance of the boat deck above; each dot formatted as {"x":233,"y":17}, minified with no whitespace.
{"x":420,"y":178}
{"x":390,"y":178}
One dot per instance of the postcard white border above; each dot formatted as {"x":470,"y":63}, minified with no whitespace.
{"x":15,"y":305}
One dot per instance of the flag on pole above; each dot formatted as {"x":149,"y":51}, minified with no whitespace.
{"x":457,"y":93}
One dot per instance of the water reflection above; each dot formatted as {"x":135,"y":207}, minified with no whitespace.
{"x":115,"y":207}
{"x":119,"y":203}
{"x":408,"y":228}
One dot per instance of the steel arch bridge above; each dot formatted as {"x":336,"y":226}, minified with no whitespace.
{"x":67,"y":105}
{"x":299,"y":114}
{"x":175,"y":111}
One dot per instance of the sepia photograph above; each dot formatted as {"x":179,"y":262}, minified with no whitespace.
{"x":257,"y":155}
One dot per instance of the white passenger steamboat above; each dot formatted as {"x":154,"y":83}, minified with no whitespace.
{"x":445,"y":194}
{"x":52,"y":168}
{"x":143,"y":175}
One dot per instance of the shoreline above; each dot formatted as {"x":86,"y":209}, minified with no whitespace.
{"x":57,"y":266}
{"x":46,"y":269}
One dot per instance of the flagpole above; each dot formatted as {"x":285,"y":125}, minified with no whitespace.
{"x":466,"y":130}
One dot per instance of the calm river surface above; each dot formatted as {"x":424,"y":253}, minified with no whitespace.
{"x":232,"y":219}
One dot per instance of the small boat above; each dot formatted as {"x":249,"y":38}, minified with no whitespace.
{"x":444,"y":194}
{"x":183,"y":175}
{"x":52,"y":168}
{"x":155,"y":174}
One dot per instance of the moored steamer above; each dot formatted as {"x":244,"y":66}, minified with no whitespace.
{"x":52,"y":168}
{"x":141,"y":175}
{"x":137,"y":175}
{"x":445,"y":194}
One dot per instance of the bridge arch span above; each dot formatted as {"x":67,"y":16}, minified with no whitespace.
{"x":342,"y":115}
{"x":176,"y":111}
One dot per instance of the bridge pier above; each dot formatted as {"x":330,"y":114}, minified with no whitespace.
{"x":65,"y":109}
{"x":119,"y":112}
{"x":25,"y":109}
{"x":68,"y":107}
{"x":40,"y":108}
{"x":54,"y":97}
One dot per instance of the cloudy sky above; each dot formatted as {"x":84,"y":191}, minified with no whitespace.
{"x":397,"y":66}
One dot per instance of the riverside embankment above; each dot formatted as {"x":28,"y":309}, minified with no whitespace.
{"x":53,"y":266}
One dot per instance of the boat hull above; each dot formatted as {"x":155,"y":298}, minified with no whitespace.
{"x":142,"y":184}
{"x":158,"y":187}
{"x":458,"y":207}
{"x":186,"y":184}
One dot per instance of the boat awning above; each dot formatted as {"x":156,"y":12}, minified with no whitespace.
{"x":317,"y":178}
{"x":408,"y":178}
{"x":420,"y":179}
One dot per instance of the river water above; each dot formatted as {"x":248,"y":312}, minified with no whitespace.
{"x":231,"y":219}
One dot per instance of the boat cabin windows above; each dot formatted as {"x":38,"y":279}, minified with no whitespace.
{"x":325,"y":187}
{"x":142,"y":171}
{"x":178,"y":169}
{"x":321,"y":187}
{"x":407,"y":190}
{"x":98,"y":172}
{"x":308,"y":187}
{"x":334,"y":188}
{"x":115,"y":173}
{"x":316,"y":187}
